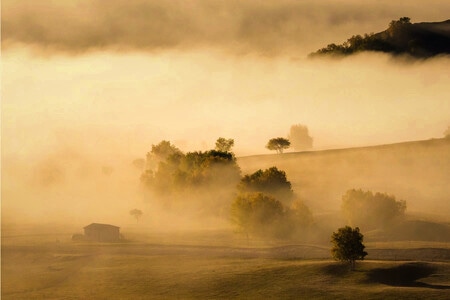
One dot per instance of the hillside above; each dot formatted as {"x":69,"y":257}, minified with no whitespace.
{"x":420,"y":40}
{"x":418,"y":172}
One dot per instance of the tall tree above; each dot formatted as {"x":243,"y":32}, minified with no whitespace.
{"x":224,"y":145}
{"x":160,"y":152}
{"x":271,"y":182}
{"x":300,"y":138}
{"x":348,"y":245}
{"x":278,"y":144}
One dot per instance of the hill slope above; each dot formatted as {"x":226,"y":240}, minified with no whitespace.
{"x":418,"y":172}
{"x":420,"y":40}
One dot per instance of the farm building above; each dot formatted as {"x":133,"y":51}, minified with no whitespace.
{"x":102,"y":232}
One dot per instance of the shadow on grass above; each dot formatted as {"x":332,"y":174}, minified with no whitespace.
{"x":337,"y":269}
{"x":405,"y":275}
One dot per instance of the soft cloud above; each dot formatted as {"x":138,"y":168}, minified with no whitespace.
{"x":238,"y":27}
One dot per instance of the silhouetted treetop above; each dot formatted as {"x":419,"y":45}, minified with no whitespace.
{"x":420,"y":40}
{"x":270,"y":181}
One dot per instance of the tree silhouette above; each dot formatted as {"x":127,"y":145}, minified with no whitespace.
{"x":278,"y":144}
{"x":347,"y":245}
{"x":224,"y":145}
{"x":137,"y":213}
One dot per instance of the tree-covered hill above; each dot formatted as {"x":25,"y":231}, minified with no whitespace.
{"x":419,"y":40}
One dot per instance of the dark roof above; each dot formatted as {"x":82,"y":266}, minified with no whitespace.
{"x":98,"y":225}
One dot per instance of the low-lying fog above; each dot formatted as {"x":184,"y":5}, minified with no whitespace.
{"x":78,"y":108}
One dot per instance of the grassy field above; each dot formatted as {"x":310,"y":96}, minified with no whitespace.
{"x":44,"y":267}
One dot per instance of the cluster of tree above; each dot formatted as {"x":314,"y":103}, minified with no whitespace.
{"x":209,"y":176}
{"x":265,"y":206}
{"x":419,"y":40}
{"x":369,"y":210}
{"x":260,"y":204}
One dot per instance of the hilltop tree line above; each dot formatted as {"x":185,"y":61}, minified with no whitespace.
{"x":418,"y":40}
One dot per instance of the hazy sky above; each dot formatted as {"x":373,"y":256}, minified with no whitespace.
{"x":109,"y":79}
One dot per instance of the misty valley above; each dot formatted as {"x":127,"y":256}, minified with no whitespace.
{"x":206,"y":230}
{"x":212,"y":149}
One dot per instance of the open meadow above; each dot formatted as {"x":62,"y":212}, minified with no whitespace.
{"x":214,"y":265}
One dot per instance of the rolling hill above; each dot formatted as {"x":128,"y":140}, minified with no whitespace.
{"x":418,"y":172}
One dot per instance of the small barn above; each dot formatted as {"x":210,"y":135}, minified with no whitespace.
{"x":102,"y":233}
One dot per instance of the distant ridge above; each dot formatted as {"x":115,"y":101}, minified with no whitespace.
{"x":424,"y":143}
{"x":419,"y":40}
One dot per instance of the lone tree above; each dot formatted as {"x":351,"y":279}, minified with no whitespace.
{"x":278,"y":144}
{"x":347,"y":245}
{"x":137,"y":213}
{"x":224,"y":145}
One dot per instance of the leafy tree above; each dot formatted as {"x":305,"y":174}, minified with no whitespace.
{"x":398,"y":27}
{"x":137,"y":213}
{"x":224,"y":145}
{"x":364,"y":208}
{"x":300,"y":138}
{"x":270,"y":181}
{"x":202,"y":180}
{"x":278,"y":144}
{"x":348,"y":245}
{"x":256,"y":213}
{"x":160,"y":152}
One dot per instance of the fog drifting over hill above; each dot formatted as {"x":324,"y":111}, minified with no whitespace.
{"x":87,"y":85}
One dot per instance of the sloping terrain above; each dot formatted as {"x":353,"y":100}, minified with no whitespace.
{"x":418,"y":172}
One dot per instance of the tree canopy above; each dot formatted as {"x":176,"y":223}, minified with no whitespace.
{"x":207,"y":179}
{"x":278,"y":144}
{"x":369,"y":210}
{"x":300,"y":138}
{"x":256,"y":213}
{"x":348,"y":245}
{"x":224,"y":145}
{"x":160,"y":152}
{"x":270,"y":181}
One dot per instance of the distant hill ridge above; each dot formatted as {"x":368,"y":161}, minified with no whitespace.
{"x":416,"y":171}
{"x":406,"y":144}
{"x":419,"y":40}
